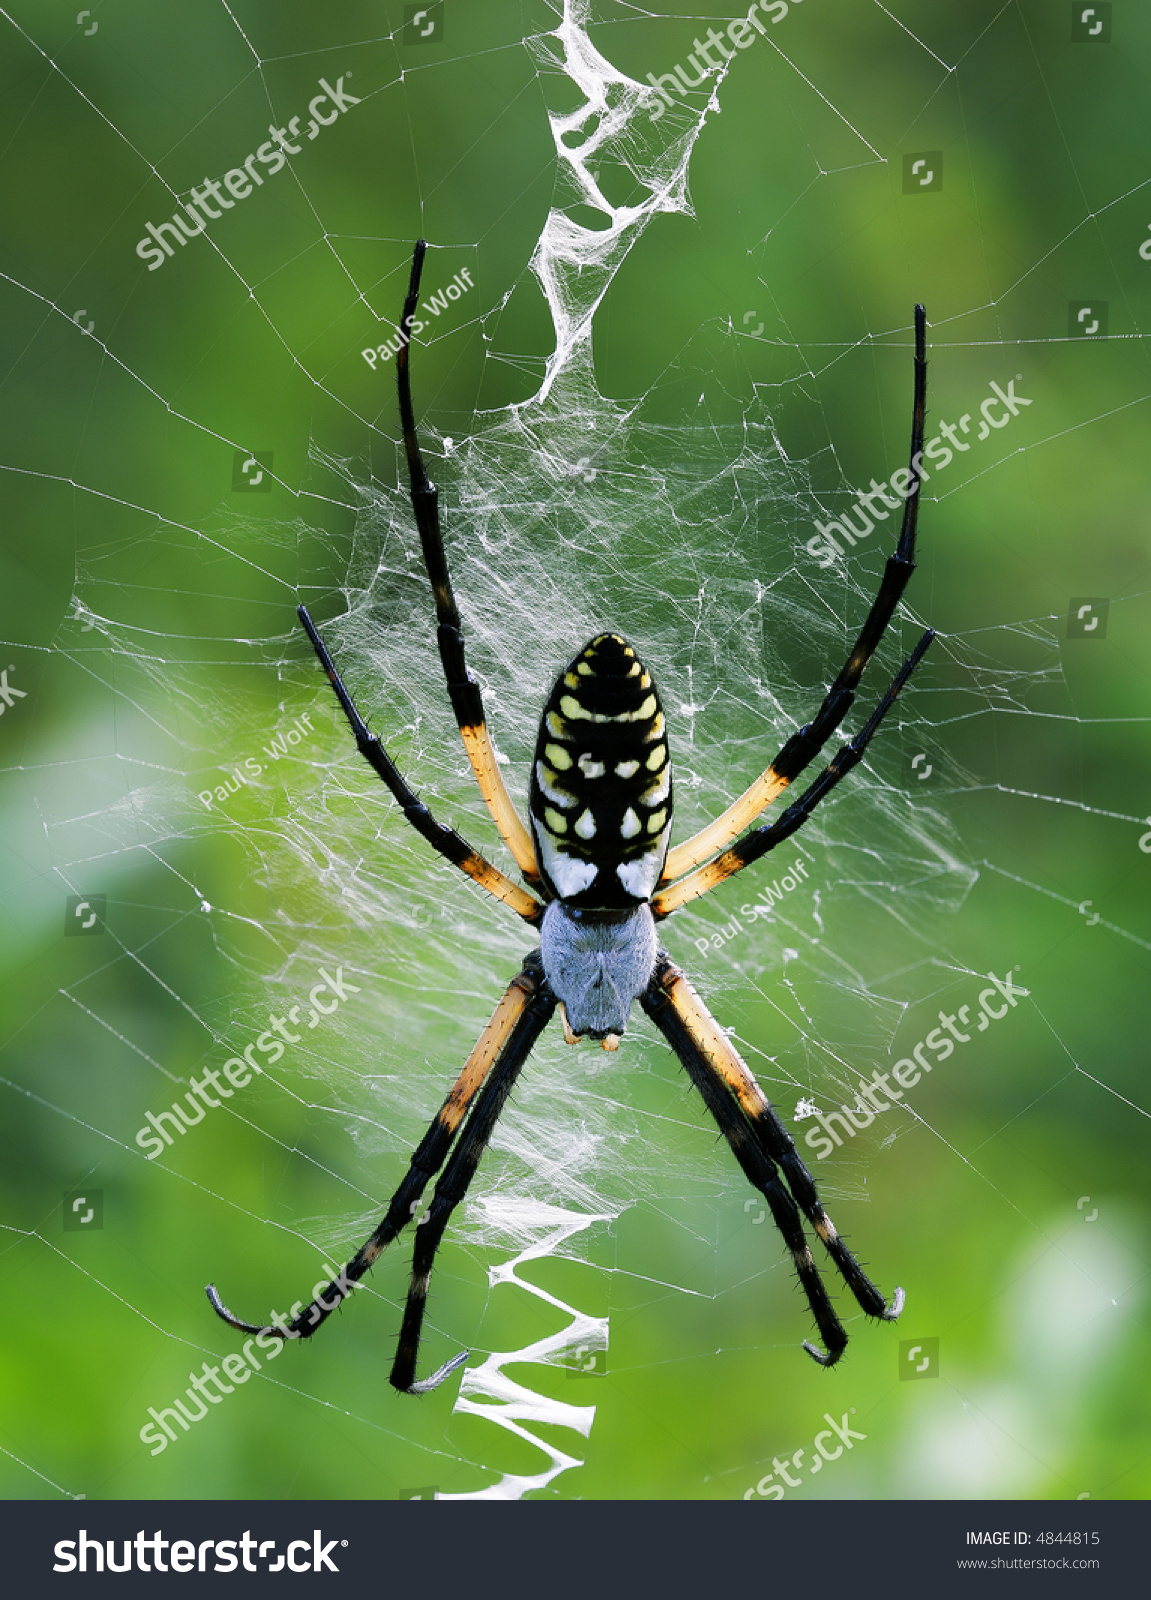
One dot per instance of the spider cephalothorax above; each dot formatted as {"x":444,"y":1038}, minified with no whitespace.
{"x":598,"y":856}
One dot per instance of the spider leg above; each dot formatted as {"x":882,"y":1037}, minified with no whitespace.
{"x":446,"y":840}
{"x":806,"y":744}
{"x":509,"y":1035}
{"x":452,"y":1187}
{"x":463,"y":690}
{"x":760,"y":840}
{"x":763,"y":1147}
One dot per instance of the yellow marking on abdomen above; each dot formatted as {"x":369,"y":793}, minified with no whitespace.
{"x":658,"y":791}
{"x":546,"y":780}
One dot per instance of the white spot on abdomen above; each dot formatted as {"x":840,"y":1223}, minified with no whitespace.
{"x":639,"y":877}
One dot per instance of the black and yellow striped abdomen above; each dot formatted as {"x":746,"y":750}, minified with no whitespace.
{"x":601,"y":780}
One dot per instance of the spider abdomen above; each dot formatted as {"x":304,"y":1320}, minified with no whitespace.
{"x":601,"y":797}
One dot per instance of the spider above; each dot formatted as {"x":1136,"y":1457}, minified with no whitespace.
{"x":600,"y":875}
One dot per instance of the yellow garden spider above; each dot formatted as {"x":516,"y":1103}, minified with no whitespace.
{"x":600,"y":876}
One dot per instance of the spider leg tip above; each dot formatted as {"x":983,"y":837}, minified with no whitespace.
{"x":219,"y":1307}
{"x":232,"y":1319}
{"x":426,"y":1385}
{"x":898,"y":1301}
{"x":820,"y":1357}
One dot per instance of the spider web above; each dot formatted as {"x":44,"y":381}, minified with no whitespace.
{"x":606,"y":1239}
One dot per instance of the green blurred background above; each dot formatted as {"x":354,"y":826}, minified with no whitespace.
{"x":1016,"y":1212}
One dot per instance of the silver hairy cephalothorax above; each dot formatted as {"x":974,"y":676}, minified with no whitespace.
{"x":597,"y":963}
